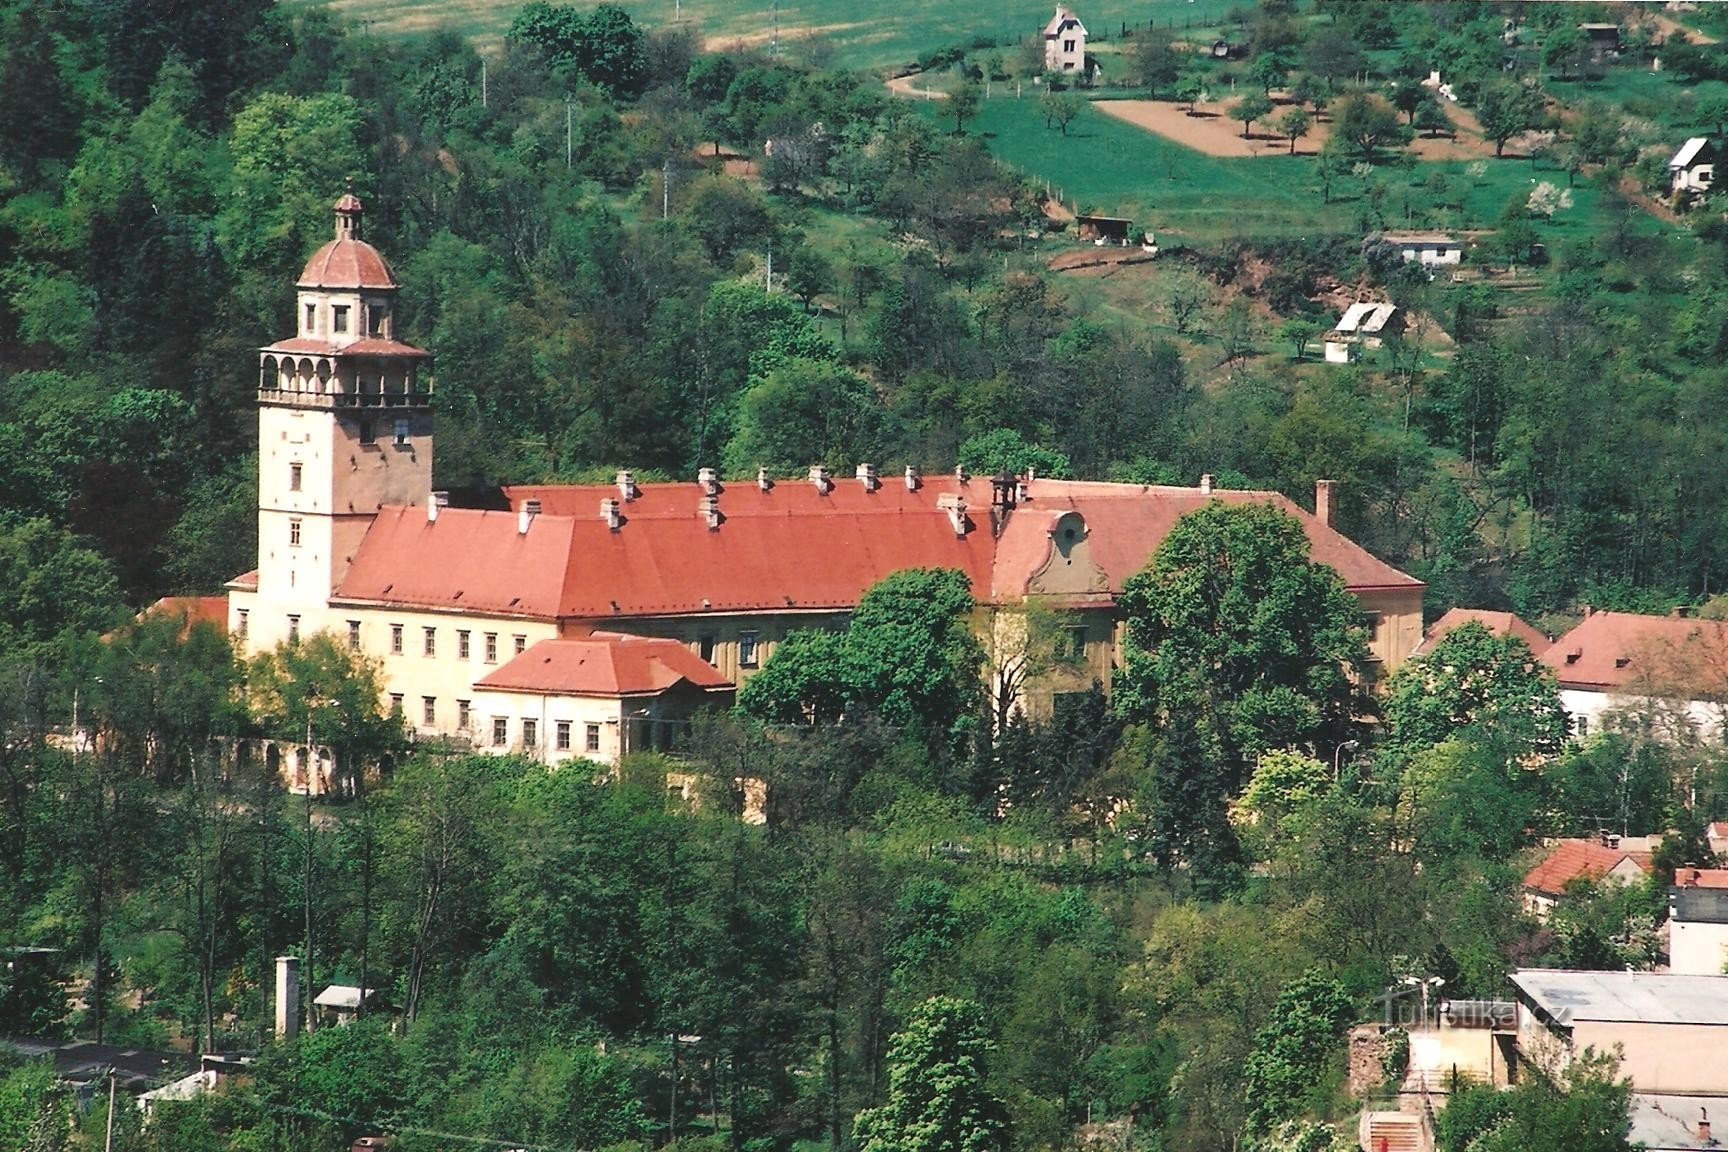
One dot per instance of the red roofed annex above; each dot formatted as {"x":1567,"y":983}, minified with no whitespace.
{"x":525,"y":624}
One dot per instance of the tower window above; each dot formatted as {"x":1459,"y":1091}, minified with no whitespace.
{"x":375,"y":314}
{"x":431,"y":642}
{"x":395,"y":639}
{"x":293,"y":629}
{"x":294,"y":532}
{"x":401,"y":431}
{"x":296,"y":473}
{"x":339,"y":318}
{"x":354,"y":635}
{"x":367,"y":435}
{"x":311,"y":319}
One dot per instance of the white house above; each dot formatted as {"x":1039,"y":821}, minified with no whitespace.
{"x":1693,"y":169}
{"x":1698,"y":922}
{"x":1065,"y":43}
{"x":1365,"y":323}
{"x":1668,"y":674}
{"x":1426,"y":248}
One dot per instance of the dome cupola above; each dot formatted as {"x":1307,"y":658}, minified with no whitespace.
{"x":348,"y":262}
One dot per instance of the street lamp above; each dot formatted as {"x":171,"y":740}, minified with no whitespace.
{"x":1423,"y":986}
{"x":1339,"y":751}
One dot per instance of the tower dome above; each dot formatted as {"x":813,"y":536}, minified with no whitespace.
{"x":348,"y":261}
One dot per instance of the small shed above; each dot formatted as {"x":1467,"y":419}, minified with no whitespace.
{"x":1105,"y":229}
{"x":1601,"y":39}
{"x":340,"y":1003}
{"x":1364,"y":324}
{"x":1692,"y":170}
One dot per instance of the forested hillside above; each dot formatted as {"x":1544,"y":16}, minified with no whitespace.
{"x":1144,"y":920}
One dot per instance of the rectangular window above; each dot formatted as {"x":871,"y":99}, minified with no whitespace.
{"x":520,"y":643}
{"x":240,"y":623}
{"x":1074,"y":643}
{"x":530,"y":732}
{"x":500,"y":731}
{"x":339,"y":318}
{"x":563,"y":735}
{"x":429,"y":644}
{"x":429,"y":711}
{"x":746,"y":649}
{"x":353,"y":635}
{"x":1067,"y":45}
{"x":294,"y":532}
{"x":401,"y":432}
{"x":395,"y":703}
{"x":705,"y":648}
{"x":293,"y":629}
{"x":395,"y":639}
{"x":491,"y":647}
{"x":464,"y":715}
{"x":462,"y":648}
{"x":295,"y":473}
{"x":591,"y":738}
{"x":375,"y":319}
{"x":311,"y":319}
{"x":1581,"y":726}
{"x":367,"y":435}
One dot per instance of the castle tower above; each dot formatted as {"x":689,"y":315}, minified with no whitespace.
{"x":344,"y":428}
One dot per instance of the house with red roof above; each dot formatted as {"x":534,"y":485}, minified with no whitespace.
{"x":1497,"y":623}
{"x":1664,"y":674}
{"x":1698,"y":922}
{"x":554,"y":605}
{"x":1576,"y":861}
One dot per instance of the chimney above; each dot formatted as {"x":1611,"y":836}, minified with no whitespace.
{"x":610,"y":512}
{"x":710,"y":481}
{"x":437,"y":504}
{"x":1206,"y":484}
{"x":1704,"y":1126}
{"x":530,"y":509}
{"x":866,"y":474}
{"x":287,"y":997}
{"x":1611,"y":840}
{"x":955,"y":506}
{"x":709,"y":510}
{"x":1323,"y":502}
{"x":763,"y":481}
{"x":822,"y":479}
{"x":914,"y":479}
{"x":960,"y":475}
{"x":627,"y":486}
{"x":1023,"y":488}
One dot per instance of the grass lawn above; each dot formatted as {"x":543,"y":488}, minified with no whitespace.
{"x":864,"y":33}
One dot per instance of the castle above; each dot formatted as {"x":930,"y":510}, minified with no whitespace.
{"x":590,"y":621}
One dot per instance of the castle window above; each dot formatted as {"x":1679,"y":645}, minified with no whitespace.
{"x":521,"y":643}
{"x":462,"y":647}
{"x":367,"y":435}
{"x":591,"y":738}
{"x":295,"y":473}
{"x":354,"y":635}
{"x":464,"y":715}
{"x":375,"y":314}
{"x":311,"y":319}
{"x":294,"y":532}
{"x":401,"y":432}
{"x":746,"y":649}
{"x":500,"y":731}
{"x":563,"y":735}
{"x":429,"y":711}
{"x":395,"y":639}
{"x":293,"y":629}
{"x":339,"y":318}
{"x":530,"y":733}
{"x":431,"y":642}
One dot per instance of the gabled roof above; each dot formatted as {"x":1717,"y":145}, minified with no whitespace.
{"x":1572,"y":860}
{"x":604,"y":664}
{"x":1609,"y":651}
{"x":1701,"y":878}
{"x":1061,"y":22}
{"x":1689,"y":152}
{"x":1497,"y":623}
{"x":370,"y":346}
{"x":790,"y":548}
{"x":342,"y":996}
{"x":1366,"y":316}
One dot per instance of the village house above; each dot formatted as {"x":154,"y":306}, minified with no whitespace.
{"x":1365,"y":324}
{"x":1665,"y":675}
{"x":1698,"y":922}
{"x":1571,"y":862}
{"x":592,"y":620}
{"x":1429,"y":249}
{"x":1497,"y":624}
{"x":1692,"y":170}
{"x":1065,"y":45}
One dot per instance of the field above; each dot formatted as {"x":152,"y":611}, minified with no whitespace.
{"x":862,"y":33}
{"x":1209,"y":129}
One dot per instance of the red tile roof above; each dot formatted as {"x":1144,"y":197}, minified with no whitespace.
{"x":1579,"y":860}
{"x":1497,"y":623}
{"x":191,"y":609}
{"x":604,"y":664}
{"x":1611,"y":650}
{"x":790,"y":548}
{"x":245,"y":580}
{"x":1701,"y":878}
{"x":371,"y":346}
{"x":347,"y":263}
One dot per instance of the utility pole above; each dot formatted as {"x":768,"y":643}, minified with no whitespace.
{"x":768,"y":283}
{"x":567,"y":136}
{"x":108,"y":1144}
{"x":774,"y":43}
{"x":482,"y":81}
{"x":666,"y":189}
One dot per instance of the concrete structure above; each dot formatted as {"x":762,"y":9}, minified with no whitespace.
{"x":1667,"y":675}
{"x":1692,"y":170}
{"x":1698,"y":923}
{"x":538,"y":607}
{"x":1427,"y":248}
{"x":1570,"y":862}
{"x":1364,"y":325}
{"x":287,"y":997}
{"x":1671,"y":1030}
{"x":339,"y":1004}
{"x":1065,"y":44}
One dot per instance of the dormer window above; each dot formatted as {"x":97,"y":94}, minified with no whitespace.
{"x":339,"y":318}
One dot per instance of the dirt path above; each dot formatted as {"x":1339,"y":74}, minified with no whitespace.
{"x":1669,"y":26}
{"x":1209,"y":129}
{"x":908,"y":86}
